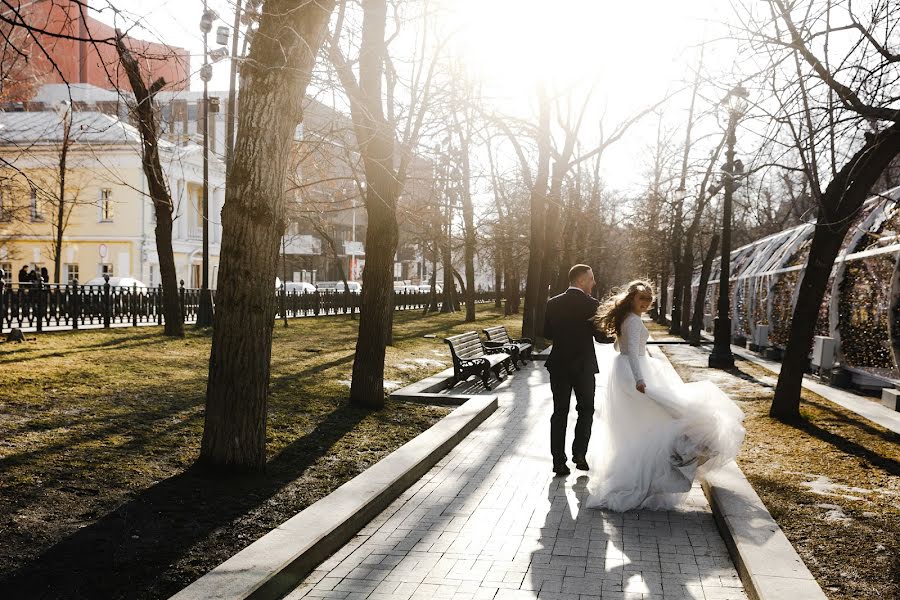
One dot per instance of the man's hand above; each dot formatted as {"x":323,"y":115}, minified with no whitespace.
{"x":641,"y":387}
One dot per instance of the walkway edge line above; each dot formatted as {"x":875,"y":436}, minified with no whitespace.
{"x":274,"y":564}
{"x":767,"y":563}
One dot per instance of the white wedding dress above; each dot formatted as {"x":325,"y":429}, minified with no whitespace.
{"x":646,"y":448}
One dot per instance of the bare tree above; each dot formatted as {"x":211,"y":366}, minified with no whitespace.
{"x":386,"y":164}
{"x":163,"y":206}
{"x":273,"y":84}
{"x":837,"y":104}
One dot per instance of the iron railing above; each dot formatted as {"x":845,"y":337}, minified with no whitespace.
{"x":40,"y":306}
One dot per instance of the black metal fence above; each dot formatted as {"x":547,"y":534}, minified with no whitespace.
{"x":37,"y":307}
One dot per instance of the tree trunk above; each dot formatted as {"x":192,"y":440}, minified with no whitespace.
{"x":675,"y":324}
{"x":273,"y":85}
{"x":663,"y":297}
{"x":699,"y":303}
{"x":687,"y":279}
{"x":377,"y":148}
{"x":843,"y":197}
{"x":469,"y":247}
{"x":550,"y":263}
{"x":61,"y":202}
{"x":534,"y":295}
{"x":163,"y":207}
{"x":498,"y":281}
{"x":448,"y":302}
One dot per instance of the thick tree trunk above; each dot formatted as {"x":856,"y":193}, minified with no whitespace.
{"x":534,"y":295}
{"x":551,"y":254}
{"x":273,"y":85}
{"x":377,"y":147}
{"x":367,"y":387}
{"x":163,"y":206}
{"x":699,"y":302}
{"x":842,"y":199}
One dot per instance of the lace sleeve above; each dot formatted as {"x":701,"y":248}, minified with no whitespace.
{"x":631,"y":347}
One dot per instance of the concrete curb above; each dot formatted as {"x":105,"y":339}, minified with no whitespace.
{"x":767,"y":563}
{"x":430,"y":385}
{"x":769,"y":567}
{"x":271,"y":566}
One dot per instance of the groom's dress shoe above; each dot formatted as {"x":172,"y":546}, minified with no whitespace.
{"x":581,"y":464}
{"x":561,"y":470}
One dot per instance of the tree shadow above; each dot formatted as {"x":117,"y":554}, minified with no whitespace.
{"x":848,"y":446}
{"x":125,"y":553}
{"x":853,"y":420}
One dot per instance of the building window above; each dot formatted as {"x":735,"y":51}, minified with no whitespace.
{"x":106,"y":206}
{"x":7,"y":272}
{"x":71,"y":273}
{"x":37,"y":213}
{"x":104,"y":269}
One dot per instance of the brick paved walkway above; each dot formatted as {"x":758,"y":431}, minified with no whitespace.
{"x":491,"y":521}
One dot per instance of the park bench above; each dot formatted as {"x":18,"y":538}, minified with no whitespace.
{"x":471,"y":357}
{"x":498,"y":337}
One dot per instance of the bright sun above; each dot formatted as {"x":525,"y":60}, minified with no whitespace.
{"x":634,"y":47}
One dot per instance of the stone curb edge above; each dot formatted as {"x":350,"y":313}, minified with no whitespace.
{"x":272,"y":565}
{"x":767,"y":563}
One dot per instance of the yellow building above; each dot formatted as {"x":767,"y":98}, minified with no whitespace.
{"x":108,"y":219}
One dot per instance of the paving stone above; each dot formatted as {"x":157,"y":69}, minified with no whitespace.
{"x":490,"y":521}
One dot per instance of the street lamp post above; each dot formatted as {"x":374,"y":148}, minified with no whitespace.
{"x":204,"y":308}
{"x":721,"y":356}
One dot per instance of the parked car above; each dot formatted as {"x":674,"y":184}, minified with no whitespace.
{"x":354,"y":287}
{"x":127,"y":282}
{"x":427,"y":288}
{"x":300,"y":287}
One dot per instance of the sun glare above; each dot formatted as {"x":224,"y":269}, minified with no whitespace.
{"x":512,"y":45}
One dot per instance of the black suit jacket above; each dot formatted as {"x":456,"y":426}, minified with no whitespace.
{"x":567,"y":322}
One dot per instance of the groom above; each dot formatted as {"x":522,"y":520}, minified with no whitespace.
{"x":572,"y":365}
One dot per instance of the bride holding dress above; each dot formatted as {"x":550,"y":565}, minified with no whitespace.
{"x":654,"y":429}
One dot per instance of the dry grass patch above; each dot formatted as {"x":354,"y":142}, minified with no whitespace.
{"x":99,"y":431}
{"x":831,"y":482}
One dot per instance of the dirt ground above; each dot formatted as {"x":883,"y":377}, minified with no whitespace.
{"x":832,"y":482}
{"x":99,"y":431}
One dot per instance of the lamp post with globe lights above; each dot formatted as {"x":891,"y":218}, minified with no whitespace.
{"x":735,"y":102}
{"x":205,"y":309}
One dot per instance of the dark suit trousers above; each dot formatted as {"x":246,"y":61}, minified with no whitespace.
{"x":562,"y":384}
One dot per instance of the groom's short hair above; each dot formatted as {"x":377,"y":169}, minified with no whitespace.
{"x":576,"y":272}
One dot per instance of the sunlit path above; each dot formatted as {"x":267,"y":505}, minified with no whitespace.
{"x":490,"y":521}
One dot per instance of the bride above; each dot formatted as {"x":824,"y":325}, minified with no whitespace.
{"x":654,"y":430}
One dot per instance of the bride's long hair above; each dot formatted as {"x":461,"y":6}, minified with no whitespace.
{"x":616,"y":306}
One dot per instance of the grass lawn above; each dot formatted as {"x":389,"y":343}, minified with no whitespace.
{"x":831,"y":482}
{"x":99,"y":431}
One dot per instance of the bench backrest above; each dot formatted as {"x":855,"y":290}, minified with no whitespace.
{"x":465,"y":345}
{"x":497,"y":334}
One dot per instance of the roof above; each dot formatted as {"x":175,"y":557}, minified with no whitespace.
{"x":46,"y":127}
{"x":54,"y":93}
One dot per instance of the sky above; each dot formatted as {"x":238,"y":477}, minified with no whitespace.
{"x":631,"y":53}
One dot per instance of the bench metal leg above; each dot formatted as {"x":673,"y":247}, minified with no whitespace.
{"x":486,"y":378}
